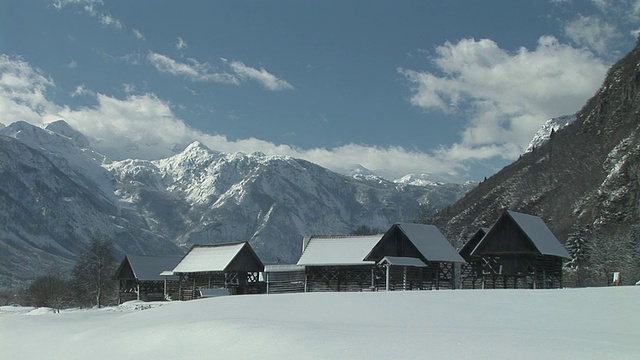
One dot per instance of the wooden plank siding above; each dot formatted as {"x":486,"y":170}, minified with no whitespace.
{"x":339,"y":278}
{"x":284,"y":282}
{"x":520,"y":252}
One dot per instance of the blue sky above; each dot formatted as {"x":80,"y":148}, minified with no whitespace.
{"x":455,"y":89}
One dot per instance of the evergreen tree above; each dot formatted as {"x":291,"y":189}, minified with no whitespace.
{"x":578,"y":248}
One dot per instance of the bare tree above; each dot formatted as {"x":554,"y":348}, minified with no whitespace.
{"x":93,"y":273}
{"x":366,"y":230}
{"x":50,"y":291}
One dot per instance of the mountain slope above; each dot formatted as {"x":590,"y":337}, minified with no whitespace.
{"x":271,"y":201}
{"x":58,"y":193}
{"x":586,"y":176}
{"x":50,"y":212}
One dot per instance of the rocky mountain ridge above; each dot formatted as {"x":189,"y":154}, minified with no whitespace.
{"x":584,"y":180}
{"x":58,"y":193}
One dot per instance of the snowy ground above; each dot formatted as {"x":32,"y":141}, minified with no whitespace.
{"x":598,"y":323}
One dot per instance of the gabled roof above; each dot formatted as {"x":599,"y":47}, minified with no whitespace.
{"x":219,"y":257}
{"x":534,"y":228}
{"x":427,"y":239}
{"x":145,"y":268}
{"x":471,"y":244}
{"x":402,"y":261}
{"x":338,"y":250}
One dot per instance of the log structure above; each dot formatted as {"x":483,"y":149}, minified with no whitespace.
{"x":232,"y":266}
{"x":519,"y":251}
{"x":415,"y":256}
{"x":280,"y":278}
{"x":471,"y":271}
{"x":139,"y":278}
{"x":336,"y":263}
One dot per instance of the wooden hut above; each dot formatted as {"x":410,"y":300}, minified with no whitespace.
{"x":471,"y":270}
{"x":139,"y":278}
{"x":284,"y":278}
{"x":232,"y":266}
{"x":519,"y":251}
{"x":336,"y":263}
{"x":415,"y":256}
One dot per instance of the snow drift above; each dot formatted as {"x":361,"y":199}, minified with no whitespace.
{"x":598,"y":323}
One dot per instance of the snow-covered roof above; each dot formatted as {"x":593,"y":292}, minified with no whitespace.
{"x":147,"y":268}
{"x":338,"y":250}
{"x":430,"y":242}
{"x":534,"y":228}
{"x":538,"y":232}
{"x":402,"y":261}
{"x":202,"y":258}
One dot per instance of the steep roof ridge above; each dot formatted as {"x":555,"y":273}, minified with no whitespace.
{"x":539,"y":234}
{"x":196,"y":261}
{"x":430,"y":242}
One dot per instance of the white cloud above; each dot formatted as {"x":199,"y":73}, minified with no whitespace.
{"x":72,"y":64}
{"x":23,"y":91}
{"x":81,"y":90}
{"x":90,"y":7}
{"x":181,"y":44}
{"x":108,"y":20}
{"x":144,"y":126}
{"x":204,"y":72}
{"x":138,"y":34}
{"x":165,"y":64}
{"x":194,"y":71}
{"x":507,"y":95}
{"x":262,"y":76}
{"x":593,"y":33}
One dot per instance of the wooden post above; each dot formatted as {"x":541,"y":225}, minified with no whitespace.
{"x":438,"y":277}
{"x":388,"y":266}
{"x":404,"y":278}
{"x":266,"y":280}
{"x":373,"y":283}
{"x":138,"y":290}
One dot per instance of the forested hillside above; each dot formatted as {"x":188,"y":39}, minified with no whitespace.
{"x":584,"y":183}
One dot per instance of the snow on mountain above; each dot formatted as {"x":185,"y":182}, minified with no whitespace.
{"x":68,"y":149}
{"x":582,"y":180}
{"x":195,"y":196}
{"x":544,"y":133}
{"x":418,"y":180}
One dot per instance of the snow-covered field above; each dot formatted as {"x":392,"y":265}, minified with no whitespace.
{"x":597,"y":323}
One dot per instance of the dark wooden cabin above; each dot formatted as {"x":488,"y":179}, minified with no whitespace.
{"x":231,"y":266}
{"x":284,"y":278}
{"x":471,"y":271}
{"x":520,"y":251}
{"x":415,"y":256}
{"x":139,"y":278}
{"x":336,"y":263}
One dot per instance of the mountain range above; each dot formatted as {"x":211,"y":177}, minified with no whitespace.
{"x":58,"y":193}
{"x":581,"y":175}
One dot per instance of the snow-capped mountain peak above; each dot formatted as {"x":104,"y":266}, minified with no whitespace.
{"x":552,"y":125}
{"x":196,"y":196}
{"x":418,"y":180}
